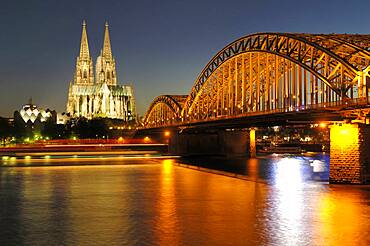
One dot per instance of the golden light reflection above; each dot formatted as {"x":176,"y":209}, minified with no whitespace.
{"x":167,"y":206}
{"x":339,"y":220}
{"x":253,"y":168}
{"x":167,"y":166}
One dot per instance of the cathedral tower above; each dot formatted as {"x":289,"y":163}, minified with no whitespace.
{"x":105,"y":63}
{"x":84,"y":74}
{"x":102,"y":96}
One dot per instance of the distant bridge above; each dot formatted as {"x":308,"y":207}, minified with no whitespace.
{"x":269,"y":73}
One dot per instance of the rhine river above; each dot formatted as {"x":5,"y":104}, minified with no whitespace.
{"x":274,"y":200}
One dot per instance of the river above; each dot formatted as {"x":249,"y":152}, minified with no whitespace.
{"x":154,"y":200}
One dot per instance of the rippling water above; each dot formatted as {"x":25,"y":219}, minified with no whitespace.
{"x":285,"y":201}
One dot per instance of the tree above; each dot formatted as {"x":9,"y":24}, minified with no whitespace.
{"x":5,"y":130}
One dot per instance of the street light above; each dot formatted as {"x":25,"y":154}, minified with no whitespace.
{"x":323,"y":125}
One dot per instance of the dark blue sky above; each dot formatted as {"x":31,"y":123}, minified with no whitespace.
{"x":160,"y":46}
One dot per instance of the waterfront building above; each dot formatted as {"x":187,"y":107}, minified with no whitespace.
{"x":100,"y":95}
{"x":31,"y":114}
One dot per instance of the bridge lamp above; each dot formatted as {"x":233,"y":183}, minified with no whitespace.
{"x":167,"y":133}
{"x":146,"y":139}
{"x":323,"y":125}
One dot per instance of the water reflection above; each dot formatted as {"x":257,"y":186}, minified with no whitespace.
{"x":158,"y":202}
{"x":339,"y":215}
{"x":289,"y":202}
{"x":167,"y":223}
{"x":270,"y":167}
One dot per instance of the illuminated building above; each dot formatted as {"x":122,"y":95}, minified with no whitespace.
{"x":30,"y":114}
{"x":31,"y":120}
{"x":99,"y":96}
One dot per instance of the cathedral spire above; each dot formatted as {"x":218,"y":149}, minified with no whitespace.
{"x":84,"y":48}
{"x":107,"y":50}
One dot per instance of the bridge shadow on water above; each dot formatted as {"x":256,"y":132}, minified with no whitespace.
{"x":265,"y":168}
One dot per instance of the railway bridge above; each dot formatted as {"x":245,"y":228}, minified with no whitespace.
{"x":269,"y":79}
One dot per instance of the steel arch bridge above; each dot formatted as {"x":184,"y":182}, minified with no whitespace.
{"x":273,"y":72}
{"x":165,"y":109}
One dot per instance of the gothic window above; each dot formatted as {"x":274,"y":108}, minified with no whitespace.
{"x":101,"y":76}
{"x":85,"y":74}
{"x":108,"y":75}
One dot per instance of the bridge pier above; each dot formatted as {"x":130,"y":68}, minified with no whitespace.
{"x":349,"y":154}
{"x":252,"y":143}
{"x":218,"y":143}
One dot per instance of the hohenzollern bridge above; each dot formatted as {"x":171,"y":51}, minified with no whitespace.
{"x":272,"y":79}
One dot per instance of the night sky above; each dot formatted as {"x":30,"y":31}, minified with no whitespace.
{"x":160,"y":46}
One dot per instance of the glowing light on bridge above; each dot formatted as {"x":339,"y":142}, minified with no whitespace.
{"x":344,"y":135}
{"x":323,"y":125}
{"x":147,"y":139}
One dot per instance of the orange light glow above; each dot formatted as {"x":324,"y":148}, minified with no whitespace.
{"x":323,"y":125}
{"x":147,"y":139}
{"x":167,"y":133}
{"x":343,"y":135}
{"x":120,"y":139}
{"x":252,"y":142}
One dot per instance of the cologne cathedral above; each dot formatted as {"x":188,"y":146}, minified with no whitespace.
{"x":99,"y":95}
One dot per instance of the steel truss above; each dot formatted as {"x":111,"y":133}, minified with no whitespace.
{"x":164,"y":109}
{"x":271,"y":71}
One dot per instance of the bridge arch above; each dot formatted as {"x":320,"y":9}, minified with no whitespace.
{"x":270,"y":71}
{"x":164,"y":109}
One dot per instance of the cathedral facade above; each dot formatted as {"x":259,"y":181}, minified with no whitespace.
{"x":97,"y":93}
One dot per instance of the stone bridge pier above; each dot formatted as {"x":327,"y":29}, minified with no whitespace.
{"x":349,"y":148}
{"x":350,"y":153}
{"x":218,"y":143}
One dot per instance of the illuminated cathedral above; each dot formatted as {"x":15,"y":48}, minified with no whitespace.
{"x":100,"y":95}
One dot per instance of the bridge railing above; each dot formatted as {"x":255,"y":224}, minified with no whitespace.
{"x":238,"y":113}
